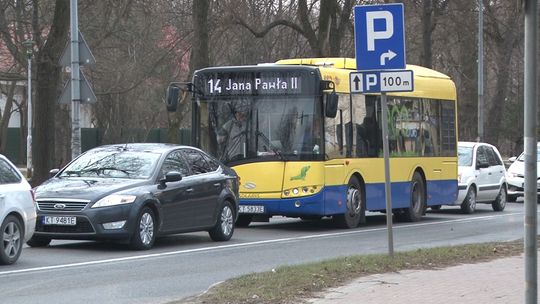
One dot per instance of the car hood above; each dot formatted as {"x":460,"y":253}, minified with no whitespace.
{"x":518,"y":167}
{"x":84,"y":188}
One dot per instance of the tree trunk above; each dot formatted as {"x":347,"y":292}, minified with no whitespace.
{"x":47,"y":83}
{"x":199,"y":58}
{"x":427,"y":32}
{"x":4,"y":118}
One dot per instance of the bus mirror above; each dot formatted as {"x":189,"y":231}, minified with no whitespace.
{"x":331,"y":105}
{"x":173,"y":93}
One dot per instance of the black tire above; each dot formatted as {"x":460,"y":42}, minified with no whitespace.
{"x":356,"y":207}
{"x":224,"y":228}
{"x":500,"y":202}
{"x":511,"y":198}
{"x":38,"y":241}
{"x":244,"y":220}
{"x":12,"y":239}
{"x":144,"y":232}
{"x":469,"y":203}
{"x":417,"y":206}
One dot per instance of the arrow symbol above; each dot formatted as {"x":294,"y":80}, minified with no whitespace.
{"x":356,"y":81}
{"x":388,"y":55}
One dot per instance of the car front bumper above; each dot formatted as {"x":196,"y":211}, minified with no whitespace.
{"x":516,"y":186}
{"x":89,"y":224}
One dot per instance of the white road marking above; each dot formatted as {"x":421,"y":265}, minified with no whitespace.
{"x":306,"y":237}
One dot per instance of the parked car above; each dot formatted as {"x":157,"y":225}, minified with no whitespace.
{"x":135,"y":193}
{"x":516,"y":175}
{"x":17,"y":211}
{"x":481,"y":177}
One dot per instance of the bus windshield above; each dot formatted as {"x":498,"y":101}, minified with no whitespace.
{"x":261,"y":127}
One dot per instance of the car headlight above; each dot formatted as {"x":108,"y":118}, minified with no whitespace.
{"x":114,"y":199}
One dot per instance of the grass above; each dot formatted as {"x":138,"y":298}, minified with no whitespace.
{"x":293,"y":284}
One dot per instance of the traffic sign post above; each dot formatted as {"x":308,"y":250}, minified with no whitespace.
{"x":380,"y":55}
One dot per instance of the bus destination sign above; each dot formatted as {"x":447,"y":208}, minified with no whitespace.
{"x":226,"y":84}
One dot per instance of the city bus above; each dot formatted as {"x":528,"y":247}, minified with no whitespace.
{"x":305,"y":147}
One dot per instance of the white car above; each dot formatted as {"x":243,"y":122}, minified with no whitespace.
{"x":481,"y":177}
{"x":17,"y":212}
{"x":516,"y":175}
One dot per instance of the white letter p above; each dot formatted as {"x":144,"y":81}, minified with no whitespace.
{"x":373,"y":35}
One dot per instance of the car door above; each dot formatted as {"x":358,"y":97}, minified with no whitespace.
{"x":177,"y":197}
{"x":496,"y":172}
{"x":207,"y":189}
{"x":482,"y":174}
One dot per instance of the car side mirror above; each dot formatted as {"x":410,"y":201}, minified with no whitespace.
{"x":482,"y":165}
{"x":512,"y":159}
{"x":331,"y":108}
{"x":53,"y":172}
{"x":172,"y":176}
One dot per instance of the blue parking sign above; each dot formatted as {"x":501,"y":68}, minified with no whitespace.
{"x":379,"y":37}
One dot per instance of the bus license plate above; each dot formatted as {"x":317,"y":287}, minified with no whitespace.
{"x":60,"y":220}
{"x":251,"y":209}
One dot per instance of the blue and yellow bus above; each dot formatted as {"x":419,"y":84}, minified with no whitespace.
{"x":304,"y":146}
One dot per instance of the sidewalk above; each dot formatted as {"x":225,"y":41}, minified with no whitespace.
{"x":495,"y":282}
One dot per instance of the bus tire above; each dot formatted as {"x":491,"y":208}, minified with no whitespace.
{"x":418,"y":201}
{"x":355,"y":213}
{"x":243,"y":220}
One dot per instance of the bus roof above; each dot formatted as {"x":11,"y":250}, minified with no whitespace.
{"x":427,"y":82}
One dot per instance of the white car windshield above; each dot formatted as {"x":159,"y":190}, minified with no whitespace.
{"x":465,"y":156}
{"x":522,"y":156}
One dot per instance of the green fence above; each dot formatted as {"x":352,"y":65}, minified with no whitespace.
{"x":92,"y":137}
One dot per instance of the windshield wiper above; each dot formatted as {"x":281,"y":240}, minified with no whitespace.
{"x":102,"y":169}
{"x":270,"y":145}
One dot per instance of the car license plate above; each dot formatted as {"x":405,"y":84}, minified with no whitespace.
{"x":60,"y":220}
{"x":251,"y":209}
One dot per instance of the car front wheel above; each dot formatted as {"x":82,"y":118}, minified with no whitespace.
{"x":224,"y":228}
{"x":469,"y":203}
{"x":144,"y":235}
{"x":12,"y":240}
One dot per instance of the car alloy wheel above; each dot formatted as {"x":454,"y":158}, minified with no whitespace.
{"x":146,"y":229}
{"x":11,"y":240}
{"x":227,"y":220}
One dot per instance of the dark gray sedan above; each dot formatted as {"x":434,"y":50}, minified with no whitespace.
{"x":135,"y":193}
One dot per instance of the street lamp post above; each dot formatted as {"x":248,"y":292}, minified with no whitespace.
{"x":29,"y":44}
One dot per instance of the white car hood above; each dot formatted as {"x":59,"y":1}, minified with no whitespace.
{"x":518,"y":167}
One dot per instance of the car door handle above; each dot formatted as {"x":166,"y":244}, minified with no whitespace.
{"x":217,"y":184}
{"x":189,"y":190}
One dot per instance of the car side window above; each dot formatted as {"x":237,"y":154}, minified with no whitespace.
{"x":481,"y":157}
{"x":212,"y":163}
{"x":196,"y":161}
{"x":493,"y":157}
{"x":8,"y":175}
{"x":174,"y":162}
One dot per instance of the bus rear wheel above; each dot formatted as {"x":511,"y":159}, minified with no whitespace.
{"x":355,"y":213}
{"x":418,"y":201}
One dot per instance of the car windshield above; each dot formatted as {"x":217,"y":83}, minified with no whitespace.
{"x":465,"y":156}
{"x":113,"y":163}
{"x":522,"y":156}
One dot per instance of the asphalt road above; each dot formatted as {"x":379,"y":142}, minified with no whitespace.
{"x":185,"y":265}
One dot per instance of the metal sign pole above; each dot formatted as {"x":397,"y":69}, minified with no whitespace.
{"x":75,"y":83}
{"x":480,"y":71}
{"x":29,"y":123}
{"x":530,"y":141}
{"x":387,"y":187}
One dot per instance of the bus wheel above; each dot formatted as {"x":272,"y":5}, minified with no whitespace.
{"x":244,"y":220}
{"x":418,"y":201}
{"x":356,"y":210}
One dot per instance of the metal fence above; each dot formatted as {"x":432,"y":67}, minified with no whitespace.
{"x":92,"y":137}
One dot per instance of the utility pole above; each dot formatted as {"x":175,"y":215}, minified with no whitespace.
{"x":480,"y":137}
{"x":75,"y":83}
{"x":29,"y":44}
{"x":530,"y":142}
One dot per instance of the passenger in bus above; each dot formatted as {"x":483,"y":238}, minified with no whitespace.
{"x":231,"y":136}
